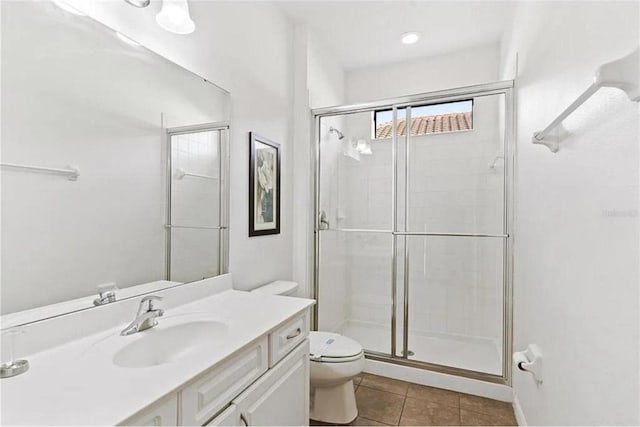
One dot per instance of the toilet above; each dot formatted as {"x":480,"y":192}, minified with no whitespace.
{"x":335,"y":360}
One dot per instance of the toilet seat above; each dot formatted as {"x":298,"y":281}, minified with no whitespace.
{"x":337,"y":359}
{"x":327,"y":347}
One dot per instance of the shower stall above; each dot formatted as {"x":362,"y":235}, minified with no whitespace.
{"x":413,"y":228}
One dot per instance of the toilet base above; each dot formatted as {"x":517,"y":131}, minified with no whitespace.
{"x":335,"y":405}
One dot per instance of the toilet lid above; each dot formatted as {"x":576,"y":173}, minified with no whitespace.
{"x":327,"y":344}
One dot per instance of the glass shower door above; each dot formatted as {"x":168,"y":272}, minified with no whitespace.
{"x":355,"y":232}
{"x":455,"y":237}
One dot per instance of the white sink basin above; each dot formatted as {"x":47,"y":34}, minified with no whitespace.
{"x":160,"y":345}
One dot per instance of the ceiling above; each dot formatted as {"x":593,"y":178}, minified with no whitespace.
{"x":367,"y":33}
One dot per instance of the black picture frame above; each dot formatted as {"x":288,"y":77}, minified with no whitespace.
{"x":264,"y":186}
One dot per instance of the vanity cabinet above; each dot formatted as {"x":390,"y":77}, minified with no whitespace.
{"x":213,"y":390}
{"x":265,"y":383}
{"x":281,"y":397}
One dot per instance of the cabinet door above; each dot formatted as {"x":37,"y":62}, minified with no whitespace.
{"x":212,"y":391}
{"x":228,"y":417}
{"x":281,"y":396}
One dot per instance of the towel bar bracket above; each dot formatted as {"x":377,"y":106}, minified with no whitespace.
{"x":621,"y":73}
{"x":551,"y":142}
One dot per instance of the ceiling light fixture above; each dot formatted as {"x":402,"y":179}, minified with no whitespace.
{"x":410,"y":38}
{"x":174,"y":17}
{"x":138,"y":3}
{"x":62,"y":4}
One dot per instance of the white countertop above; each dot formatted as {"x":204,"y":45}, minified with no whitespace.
{"x":78,"y":383}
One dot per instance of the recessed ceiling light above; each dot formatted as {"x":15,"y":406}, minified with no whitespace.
{"x":138,"y":3}
{"x":410,"y":38}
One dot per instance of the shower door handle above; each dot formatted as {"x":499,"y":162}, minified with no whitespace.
{"x":324,"y":222}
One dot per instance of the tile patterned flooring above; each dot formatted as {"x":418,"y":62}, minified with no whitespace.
{"x":386,"y":401}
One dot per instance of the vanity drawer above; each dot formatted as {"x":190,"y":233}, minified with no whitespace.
{"x":287,"y":337}
{"x":212,"y":391}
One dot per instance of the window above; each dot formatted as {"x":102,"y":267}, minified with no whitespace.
{"x":426,"y":119}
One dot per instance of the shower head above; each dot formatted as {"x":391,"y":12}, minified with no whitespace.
{"x":337,"y":132}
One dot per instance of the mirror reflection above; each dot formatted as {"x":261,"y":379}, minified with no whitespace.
{"x":113,"y":166}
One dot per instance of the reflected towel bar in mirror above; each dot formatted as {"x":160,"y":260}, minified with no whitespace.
{"x":72,"y":172}
{"x":181,"y":173}
{"x":196,"y":227}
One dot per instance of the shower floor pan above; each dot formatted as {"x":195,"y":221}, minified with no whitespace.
{"x":475,"y":354}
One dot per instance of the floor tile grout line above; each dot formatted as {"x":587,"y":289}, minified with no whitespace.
{"x":405,"y":393}
{"x":381,"y":390}
{"x":404,"y":402}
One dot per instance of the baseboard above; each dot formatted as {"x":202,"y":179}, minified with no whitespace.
{"x":436,"y":379}
{"x":517,"y":410}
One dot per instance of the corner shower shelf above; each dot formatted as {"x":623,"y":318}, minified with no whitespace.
{"x":621,"y":73}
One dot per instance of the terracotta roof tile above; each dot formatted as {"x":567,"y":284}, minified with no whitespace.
{"x":428,"y":124}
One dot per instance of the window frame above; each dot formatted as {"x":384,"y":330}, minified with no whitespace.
{"x":375,"y":116}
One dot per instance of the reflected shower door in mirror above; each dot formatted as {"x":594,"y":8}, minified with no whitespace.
{"x":195,"y":226}
{"x":85,"y":173}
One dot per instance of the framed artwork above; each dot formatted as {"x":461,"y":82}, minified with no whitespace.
{"x":264,"y":186}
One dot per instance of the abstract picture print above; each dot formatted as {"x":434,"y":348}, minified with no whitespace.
{"x":264,"y":186}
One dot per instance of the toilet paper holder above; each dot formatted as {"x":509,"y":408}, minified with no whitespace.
{"x":530,"y":361}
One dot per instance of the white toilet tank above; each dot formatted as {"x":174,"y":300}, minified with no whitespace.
{"x":279,"y":287}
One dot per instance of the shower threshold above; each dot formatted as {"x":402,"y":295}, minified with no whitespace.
{"x":474,"y":354}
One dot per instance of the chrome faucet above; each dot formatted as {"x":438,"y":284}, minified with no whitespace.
{"x":106,"y":294}
{"x":105,"y":298}
{"x":147,"y":316}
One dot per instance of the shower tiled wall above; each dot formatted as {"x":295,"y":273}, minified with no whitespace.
{"x":456,"y":283}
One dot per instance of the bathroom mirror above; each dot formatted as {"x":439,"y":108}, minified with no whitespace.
{"x":114,"y":174}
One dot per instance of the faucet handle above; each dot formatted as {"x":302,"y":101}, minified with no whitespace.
{"x":150,"y":299}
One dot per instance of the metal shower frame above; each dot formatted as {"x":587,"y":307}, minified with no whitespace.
{"x":505,"y":88}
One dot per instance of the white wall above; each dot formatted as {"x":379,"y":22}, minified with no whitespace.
{"x":462,"y":68}
{"x":245,"y":47}
{"x":319,"y":80}
{"x":577,"y":224}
